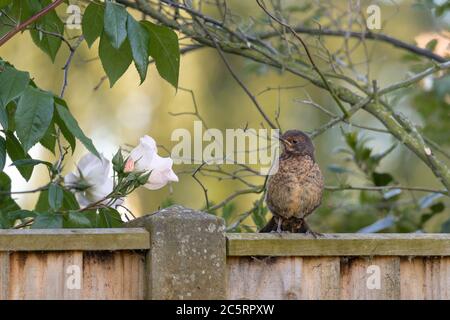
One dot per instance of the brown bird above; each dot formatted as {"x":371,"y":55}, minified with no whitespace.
{"x":295,"y":190}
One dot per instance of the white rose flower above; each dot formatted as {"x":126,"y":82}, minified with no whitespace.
{"x":93,"y":172}
{"x":145,"y":158}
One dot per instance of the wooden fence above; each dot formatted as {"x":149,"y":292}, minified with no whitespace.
{"x":178,"y":253}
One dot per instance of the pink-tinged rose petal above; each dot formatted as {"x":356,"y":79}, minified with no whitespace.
{"x":129,"y":165}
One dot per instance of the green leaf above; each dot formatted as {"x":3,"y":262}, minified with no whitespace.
{"x":92,"y":23}
{"x":381,"y":179}
{"x":48,"y":141}
{"x":70,"y":138}
{"x":164,"y":48}
{"x":338,"y":169}
{"x":4,"y":3}
{"x":437,"y":207}
{"x":10,"y":112}
{"x":12,"y":84}
{"x":16,"y":152}
{"x":6,"y":202}
{"x":139,"y":42}
{"x":33,"y":116}
{"x":109,"y":218}
{"x":115,"y":23}
{"x":30,"y":162}
{"x":446,"y":227}
{"x":55,"y":196}
{"x":114,"y":61}
{"x":74,"y":128}
{"x":76,"y":219}
{"x":69,"y":202}
{"x":2,"y":153}
{"x":47,"y":221}
{"x":3,"y":117}
{"x":46,"y":28}
{"x":20,"y":214}
{"x":431,"y":45}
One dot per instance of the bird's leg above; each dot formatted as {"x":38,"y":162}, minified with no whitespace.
{"x":308,"y":230}
{"x":279,"y":226}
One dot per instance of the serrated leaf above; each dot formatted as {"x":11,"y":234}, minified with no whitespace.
{"x":139,"y":42}
{"x":165,"y":50}
{"x":16,"y":152}
{"x":114,"y":61}
{"x":47,"y":221}
{"x":75,"y":219}
{"x":92,"y":23}
{"x":12,"y":84}
{"x":33,"y":116}
{"x":55,"y":196}
{"x":115,"y":21}
{"x":74,"y":128}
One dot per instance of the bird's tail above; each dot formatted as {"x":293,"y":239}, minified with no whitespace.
{"x":270,"y":226}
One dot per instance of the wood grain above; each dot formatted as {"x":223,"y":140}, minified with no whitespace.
{"x":265,"y":278}
{"x":321,"y":278}
{"x":355,"y":278}
{"x":74,"y":239}
{"x":258,"y":244}
{"x":113,"y":275}
{"x":35,"y":275}
{"x":4,"y":275}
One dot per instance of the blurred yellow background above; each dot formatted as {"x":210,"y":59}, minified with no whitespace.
{"x":117,"y":116}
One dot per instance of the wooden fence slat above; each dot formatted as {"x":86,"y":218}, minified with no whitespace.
{"x":356,"y":284}
{"x":437,"y":275}
{"x":35,"y":275}
{"x":266,"y":278}
{"x":412,"y":278}
{"x":4,"y":275}
{"x":113,"y":275}
{"x":320,"y":278}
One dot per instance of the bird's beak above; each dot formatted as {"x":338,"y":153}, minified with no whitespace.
{"x":285,"y":141}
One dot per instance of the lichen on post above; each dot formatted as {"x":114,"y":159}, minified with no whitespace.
{"x":187,"y":258}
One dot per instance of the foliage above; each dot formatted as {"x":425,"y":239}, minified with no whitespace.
{"x":30,"y":115}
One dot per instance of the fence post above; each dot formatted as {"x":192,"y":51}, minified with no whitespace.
{"x":187,"y":256}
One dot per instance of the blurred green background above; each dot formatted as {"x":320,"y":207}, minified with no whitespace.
{"x":117,"y":116}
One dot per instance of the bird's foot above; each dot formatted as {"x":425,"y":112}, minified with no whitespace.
{"x":315,"y":234}
{"x":308,"y":230}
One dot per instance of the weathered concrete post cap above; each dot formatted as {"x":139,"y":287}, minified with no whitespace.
{"x":187,"y":257}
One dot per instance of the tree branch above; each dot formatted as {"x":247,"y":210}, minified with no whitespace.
{"x":29,"y":21}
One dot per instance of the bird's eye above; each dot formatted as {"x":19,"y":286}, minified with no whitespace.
{"x":294,"y":141}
